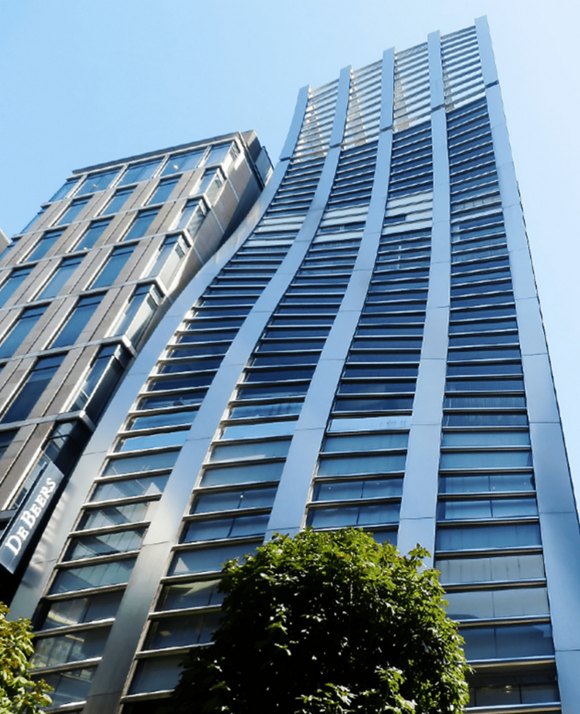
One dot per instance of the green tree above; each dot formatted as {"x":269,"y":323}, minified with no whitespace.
{"x":19,"y":694}
{"x":328,"y":623}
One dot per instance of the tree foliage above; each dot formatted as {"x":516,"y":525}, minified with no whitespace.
{"x":328,"y":623}
{"x":19,"y":694}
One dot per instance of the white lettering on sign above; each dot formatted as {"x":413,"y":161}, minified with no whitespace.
{"x":29,"y":516}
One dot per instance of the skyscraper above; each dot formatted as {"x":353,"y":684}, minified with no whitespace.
{"x":80,"y":289}
{"x":366,"y":349}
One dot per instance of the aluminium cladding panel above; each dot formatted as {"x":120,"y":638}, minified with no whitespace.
{"x":419,"y":501}
{"x":556,"y":503}
{"x":288,"y":511}
{"x":163,"y":532}
{"x":38,"y":572}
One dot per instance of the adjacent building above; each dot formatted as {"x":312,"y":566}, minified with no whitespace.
{"x":365,"y":350}
{"x":81,"y":288}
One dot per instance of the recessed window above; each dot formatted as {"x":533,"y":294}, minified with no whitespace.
{"x":141,"y":224}
{"x":217,"y":154}
{"x":117,"y":201}
{"x":34,"y":385}
{"x":20,"y":330}
{"x":163,"y":191}
{"x":139,"y":311}
{"x":65,"y":269}
{"x":92,"y":234}
{"x":65,"y":190}
{"x":47,"y":241}
{"x":97,"y":181}
{"x":183,"y":162}
{"x":192,"y":216}
{"x":73,"y":210}
{"x":77,"y":320}
{"x":139,"y":172}
{"x":12,"y":283}
{"x":113,"y":266}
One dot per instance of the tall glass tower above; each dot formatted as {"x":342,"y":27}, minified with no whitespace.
{"x":366,"y":350}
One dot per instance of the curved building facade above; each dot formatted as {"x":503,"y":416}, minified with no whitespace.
{"x":366,"y":350}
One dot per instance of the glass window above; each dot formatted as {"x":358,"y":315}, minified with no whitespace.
{"x":168,"y":258}
{"x":355,"y":442}
{"x":6,"y":438}
{"x":486,"y":459}
{"x":265,"y":429}
{"x":152,"y":675}
{"x":63,"y":272}
{"x":140,"y":309}
{"x":73,"y":210}
{"x":482,"y":483}
{"x":357,"y":489}
{"x":242,"y":474}
{"x":70,"y":685}
{"x":153,"y":441}
{"x":488,"y":537}
{"x":508,"y":641}
{"x":93,"y":576}
{"x":200,"y":593}
{"x":233,"y":527}
{"x":73,"y":647}
{"x":192,"y":216}
{"x":368,"y":514}
{"x":238,"y":499}
{"x":361,"y":463}
{"x":185,"y":161}
{"x":491,"y":604}
{"x":77,"y":320}
{"x":211,"y":184}
{"x":173,"y":418}
{"x":117,"y":201}
{"x":65,"y":190}
{"x":207,"y":559}
{"x":14,"y":280}
{"x":163,"y":191}
{"x":533,"y":685}
{"x":141,"y":223}
{"x":139,"y":172}
{"x":97,"y":181}
{"x":486,"y":438}
{"x":129,"y":488}
{"x":105,"y":544}
{"x":250,"y":450}
{"x":65,"y":613}
{"x":487,"y":508}
{"x":34,"y":385}
{"x":92,"y":234}
{"x":118,"y":515}
{"x":102,"y":377}
{"x":217,"y":154}
{"x":20,"y":330}
{"x":497,"y":568}
{"x":266,"y":410}
{"x":46,"y":242}
{"x":483,"y":419}
{"x":113,"y":266}
{"x":181,"y":631}
{"x":142,"y":462}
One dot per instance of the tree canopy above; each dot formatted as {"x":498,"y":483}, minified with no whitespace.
{"x":328,"y":623}
{"x":19,"y":694}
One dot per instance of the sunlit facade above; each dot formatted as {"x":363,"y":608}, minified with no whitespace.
{"x":80,"y":290}
{"x":366,"y":350}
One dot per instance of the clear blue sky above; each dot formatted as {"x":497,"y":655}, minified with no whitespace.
{"x":85,"y":81}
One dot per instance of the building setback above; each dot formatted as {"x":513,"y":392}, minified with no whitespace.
{"x":81,"y":288}
{"x":366,"y":349}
